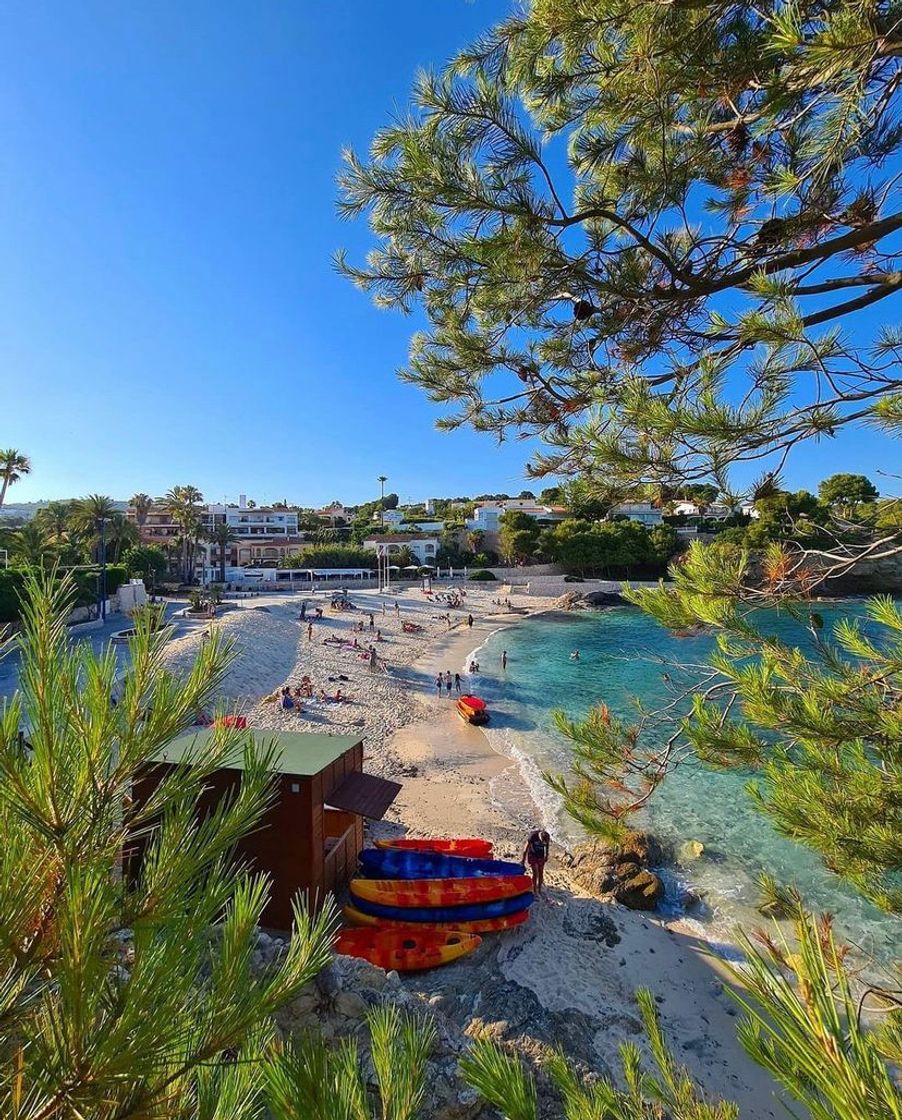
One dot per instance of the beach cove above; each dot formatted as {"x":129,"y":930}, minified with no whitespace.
{"x":568,"y":976}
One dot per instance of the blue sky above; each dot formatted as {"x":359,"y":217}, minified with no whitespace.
{"x":168,"y":309}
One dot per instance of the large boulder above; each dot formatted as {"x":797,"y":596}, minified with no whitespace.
{"x":604,"y":599}
{"x":642,"y":891}
{"x":621,"y":871}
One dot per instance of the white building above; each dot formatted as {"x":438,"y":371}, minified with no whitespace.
{"x":423,"y":548}
{"x":262,"y":521}
{"x":487,"y":515}
{"x":643,"y":512}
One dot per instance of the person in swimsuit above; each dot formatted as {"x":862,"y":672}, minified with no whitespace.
{"x":538,"y":845}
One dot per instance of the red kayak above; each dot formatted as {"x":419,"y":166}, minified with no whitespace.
{"x":474,"y":849}
{"x":472,"y":709}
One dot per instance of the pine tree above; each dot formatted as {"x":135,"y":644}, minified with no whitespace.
{"x":128,"y":997}
{"x":637,"y":231}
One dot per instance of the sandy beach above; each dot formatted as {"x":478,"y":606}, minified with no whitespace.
{"x":568,"y":976}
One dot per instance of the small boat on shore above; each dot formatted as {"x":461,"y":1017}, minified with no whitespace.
{"x":388,"y":863}
{"x":458,"y":846}
{"x":406,"y":950}
{"x":437,"y":915}
{"x":472,"y":709}
{"x":439,"y":892}
{"x":479,"y":925}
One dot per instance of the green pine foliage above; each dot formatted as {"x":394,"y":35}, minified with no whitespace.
{"x":127,"y":994}
{"x":636,"y":231}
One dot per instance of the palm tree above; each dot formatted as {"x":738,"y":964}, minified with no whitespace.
{"x":13,"y":464}
{"x":87,"y":517}
{"x":222,"y":536}
{"x":183,"y":505}
{"x":121,"y":534}
{"x":56,"y":517}
{"x":142,"y":505}
{"x":382,"y":479}
{"x":30,"y":544}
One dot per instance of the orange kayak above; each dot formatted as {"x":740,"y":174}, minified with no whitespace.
{"x":484,"y":925}
{"x":440,"y":892}
{"x":405,"y":949}
{"x":474,"y":849}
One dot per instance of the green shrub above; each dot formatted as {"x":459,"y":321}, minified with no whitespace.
{"x":86,"y":586}
{"x":11,"y":583}
{"x":482,"y":575}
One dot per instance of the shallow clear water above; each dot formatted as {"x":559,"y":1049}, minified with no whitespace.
{"x":622,"y":655}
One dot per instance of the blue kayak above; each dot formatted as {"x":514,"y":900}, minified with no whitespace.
{"x":477,"y":911}
{"x":395,"y":863}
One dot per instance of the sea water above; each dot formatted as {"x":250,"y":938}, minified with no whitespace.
{"x":625,"y":655}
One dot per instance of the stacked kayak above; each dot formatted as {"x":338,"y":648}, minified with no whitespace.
{"x":397,"y":863}
{"x":407,"y":895}
{"x":472,"y":709}
{"x":477,"y":849}
{"x":479,"y":925}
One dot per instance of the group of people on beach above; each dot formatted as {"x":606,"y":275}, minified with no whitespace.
{"x":447,"y":683}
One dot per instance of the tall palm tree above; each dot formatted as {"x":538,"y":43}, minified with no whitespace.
{"x":142,"y":505}
{"x":222,"y":536}
{"x":31,"y":544}
{"x":121,"y":534}
{"x":86,"y":518}
{"x":183,"y":503}
{"x":13,"y":464}
{"x":56,"y":517}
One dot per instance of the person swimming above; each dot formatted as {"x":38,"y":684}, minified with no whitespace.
{"x":575,"y":655}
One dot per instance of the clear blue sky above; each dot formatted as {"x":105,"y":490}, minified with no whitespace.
{"x":168,"y":310}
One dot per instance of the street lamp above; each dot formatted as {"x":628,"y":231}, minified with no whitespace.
{"x":101,"y":525}
{"x":382,"y":479}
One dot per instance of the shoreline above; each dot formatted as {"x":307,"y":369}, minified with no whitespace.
{"x":578,"y":961}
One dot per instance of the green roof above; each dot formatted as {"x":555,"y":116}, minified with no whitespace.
{"x":299,"y":752}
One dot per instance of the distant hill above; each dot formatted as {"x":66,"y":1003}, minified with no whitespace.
{"x":24,"y":511}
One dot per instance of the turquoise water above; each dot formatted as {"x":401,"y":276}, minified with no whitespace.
{"x":624,"y":654}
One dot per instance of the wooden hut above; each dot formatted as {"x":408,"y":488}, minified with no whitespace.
{"x":308,"y":841}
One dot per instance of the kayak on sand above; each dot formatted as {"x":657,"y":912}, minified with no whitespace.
{"x":392,"y":863}
{"x":440,"y":892}
{"x":406,"y":950}
{"x":478,"y":849}
{"x":474,"y":912}
{"x":479,"y":925}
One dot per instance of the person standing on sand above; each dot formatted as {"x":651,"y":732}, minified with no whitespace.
{"x":397,"y":609}
{"x":309,"y":631}
{"x":438,"y":685}
{"x":538,"y":846}
{"x":504,"y":660}
{"x":470,"y":621}
{"x":448,"y":682}
{"x":457,"y":682}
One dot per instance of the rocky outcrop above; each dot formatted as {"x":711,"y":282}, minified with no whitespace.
{"x":580,"y":600}
{"x":605,"y":599}
{"x":621,"y":872}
